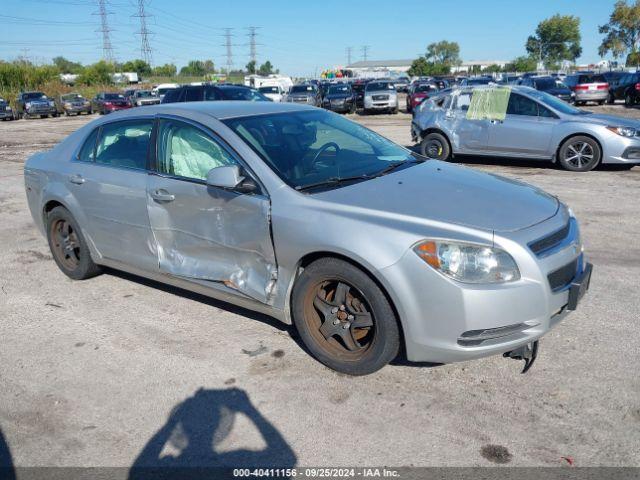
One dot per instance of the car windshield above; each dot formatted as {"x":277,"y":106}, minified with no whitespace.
{"x":72,"y":96}
{"x":302,"y":88}
{"x":113,"y":96}
{"x":337,"y":89}
{"x":268,"y":90}
{"x":425,"y":88}
{"x":308,"y":148}
{"x":592,"y":79}
{"x":377,"y":86}
{"x":556,"y":103}
{"x":34,"y":96}
{"x":144,"y":94}
{"x":162,"y":91}
{"x":242,"y":93}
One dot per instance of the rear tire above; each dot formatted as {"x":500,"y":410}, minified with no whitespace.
{"x":68,"y":246}
{"x":579,"y":154}
{"x":343,"y":317}
{"x":628,"y":101}
{"x":435,"y":146}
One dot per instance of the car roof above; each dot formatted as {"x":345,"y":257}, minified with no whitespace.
{"x":221,"y":109}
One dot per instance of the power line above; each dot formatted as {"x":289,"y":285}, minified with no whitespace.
{"x":252,"y":43}
{"x":145,"y":47}
{"x":107,"y":49}
{"x":227,"y":44}
{"x":349,"y":50}
{"x":365,"y":52}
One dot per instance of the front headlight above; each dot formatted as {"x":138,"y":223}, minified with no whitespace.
{"x":27,"y":105}
{"x":52,"y":103}
{"x":623,"y":131}
{"x":7,"y":108}
{"x":68,"y":104}
{"x":469,"y":263}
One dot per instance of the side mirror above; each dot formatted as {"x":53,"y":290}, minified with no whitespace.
{"x":229,"y":177}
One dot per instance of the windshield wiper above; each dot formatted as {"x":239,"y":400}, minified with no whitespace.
{"x":395,"y":165}
{"x":332,"y":181}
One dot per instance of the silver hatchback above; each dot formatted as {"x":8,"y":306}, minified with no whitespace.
{"x":301,"y":214}
{"x":531,"y":124}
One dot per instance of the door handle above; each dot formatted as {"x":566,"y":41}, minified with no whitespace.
{"x":162,"y":196}
{"x":496,"y":122}
{"x":76,"y":179}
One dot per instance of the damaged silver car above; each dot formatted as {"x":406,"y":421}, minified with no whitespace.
{"x":301,"y":214}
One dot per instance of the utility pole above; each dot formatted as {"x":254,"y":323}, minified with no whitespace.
{"x":227,"y":44}
{"x":107,"y":49}
{"x":365,"y":52}
{"x":349,"y":50}
{"x":253,"y":54}
{"x":145,"y":48}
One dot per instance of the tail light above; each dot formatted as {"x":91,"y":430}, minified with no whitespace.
{"x":108,"y":104}
{"x":604,"y":86}
{"x":637,"y":86}
{"x":582,"y":87}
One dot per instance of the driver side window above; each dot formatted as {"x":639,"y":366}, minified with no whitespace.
{"x":186,"y":151}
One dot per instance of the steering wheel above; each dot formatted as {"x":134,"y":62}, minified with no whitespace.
{"x":321,"y":150}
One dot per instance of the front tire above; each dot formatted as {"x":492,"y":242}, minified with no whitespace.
{"x":344,"y":318}
{"x":68,"y":246}
{"x":579,"y":154}
{"x":435,"y":146}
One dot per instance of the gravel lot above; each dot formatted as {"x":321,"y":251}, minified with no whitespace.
{"x":91,"y":372}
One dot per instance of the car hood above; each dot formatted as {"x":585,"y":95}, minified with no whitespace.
{"x":440,"y":192}
{"x":601,"y":119}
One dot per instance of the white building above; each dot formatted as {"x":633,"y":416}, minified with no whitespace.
{"x":379,"y":68}
{"x":475,"y":65}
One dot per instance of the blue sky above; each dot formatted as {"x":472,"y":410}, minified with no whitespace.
{"x":300,"y":37}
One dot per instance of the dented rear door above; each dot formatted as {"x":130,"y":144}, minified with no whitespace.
{"x":203,"y":233}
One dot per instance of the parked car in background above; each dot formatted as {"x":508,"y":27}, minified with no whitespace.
{"x":473,"y":81}
{"x":6,"y":112}
{"x":402,"y":84}
{"x":210,"y":92}
{"x":550,"y":85}
{"x":358,"y":87}
{"x":35,"y":104}
{"x":536,"y":125}
{"x":163,"y":88}
{"x":274,"y":92}
{"x":273,"y":207}
{"x":107,"y":102}
{"x":588,"y":87}
{"x":380,"y":95}
{"x":305,"y":93}
{"x":74,"y":104}
{"x":625,"y":88}
{"x":340,"y":98}
{"x":613,"y":78}
{"x":141,"y":98}
{"x":418,"y":93}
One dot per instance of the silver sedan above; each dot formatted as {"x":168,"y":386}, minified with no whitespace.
{"x":535,"y":125}
{"x":303,"y":215}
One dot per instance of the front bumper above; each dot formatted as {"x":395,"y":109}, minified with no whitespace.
{"x":77,"y":109}
{"x":6,"y":114}
{"x":115,"y":108}
{"x":41,"y":110}
{"x":591,"y":95}
{"x":387,"y":104}
{"x":447,"y":321}
{"x":620,"y":150}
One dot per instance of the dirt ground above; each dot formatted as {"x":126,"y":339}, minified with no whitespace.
{"x":102,"y":372}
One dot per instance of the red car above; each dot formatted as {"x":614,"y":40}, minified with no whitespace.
{"x":106,"y":102}
{"x":418,"y":93}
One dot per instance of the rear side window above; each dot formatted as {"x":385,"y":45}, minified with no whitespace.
{"x":193,"y":95}
{"x":519,"y":105}
{"x":88,"y":151}
{"x":186,"y":151}
{"x":124,"y":144}
{"x":211,"y":94}
{"x":173,"y":95}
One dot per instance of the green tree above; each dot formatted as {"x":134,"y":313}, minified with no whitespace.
{"x":447,"y":53}
{"x":521,"y":64}
{"x":557,"y":38}
{"x":67,"y":66}
{"x":141,"y":67}
{"x":96,"y":74}
{"x":198,"y":68}
{"x":266,"y":68}
{"x":166,"y":70}
{"x":622,"y":32}
{"x":493,"y":69}
{"x":421,"y":67}
{"x":251,"y":67}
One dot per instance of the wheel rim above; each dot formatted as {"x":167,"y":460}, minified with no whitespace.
{"x":340,"y":319}
{"x":434,"y":149}
{"x":66,"y":246}
{"x":579,"y":154}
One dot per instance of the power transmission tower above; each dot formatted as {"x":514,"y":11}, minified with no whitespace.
{"x":253,"y":54}
{"x":107,"y":49}
{"x":145,"y":48}
{"x":365,"y":52}
{"x":349,"y":50}
{"x":228,"y":45}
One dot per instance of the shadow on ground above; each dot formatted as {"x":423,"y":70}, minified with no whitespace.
{"x":188,"y":445}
